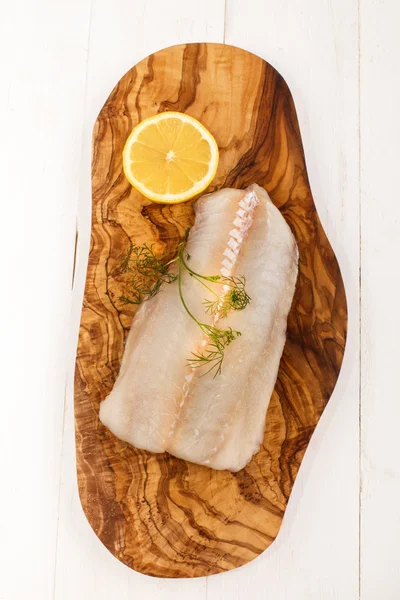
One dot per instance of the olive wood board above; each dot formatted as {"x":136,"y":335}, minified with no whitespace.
{"x":158,"y":514}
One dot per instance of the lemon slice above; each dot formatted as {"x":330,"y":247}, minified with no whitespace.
{"x":170,"y":157}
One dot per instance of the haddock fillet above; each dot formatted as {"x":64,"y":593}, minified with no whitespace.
{"x":160,"y":404}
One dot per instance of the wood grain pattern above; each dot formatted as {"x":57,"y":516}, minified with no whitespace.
{"x":158,"y":514}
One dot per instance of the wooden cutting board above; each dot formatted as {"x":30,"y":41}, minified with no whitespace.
{"x":158,"y":514}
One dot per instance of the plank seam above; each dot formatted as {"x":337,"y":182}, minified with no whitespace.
{"x":59,"y":492}
{"x":91,"y":10}
{"x":225,"y":11}
{"x":359,"y":301}
{"x":75,"y":255}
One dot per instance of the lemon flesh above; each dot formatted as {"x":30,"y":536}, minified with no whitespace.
{"x":170,"y":157}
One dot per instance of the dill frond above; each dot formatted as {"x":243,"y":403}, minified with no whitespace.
{"x":150,"y":272}
{"x":214,"y":352}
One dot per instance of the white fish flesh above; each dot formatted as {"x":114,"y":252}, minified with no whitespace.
{"x":158,"y":402}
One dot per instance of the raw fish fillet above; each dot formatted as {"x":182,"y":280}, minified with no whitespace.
{"x":158,"y":402}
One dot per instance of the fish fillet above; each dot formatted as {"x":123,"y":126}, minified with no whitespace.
{"x":158,"y":402}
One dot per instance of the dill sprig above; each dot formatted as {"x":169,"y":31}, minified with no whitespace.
{"x":236,"y":298}
{"x":214,"y":352}
{"x":150,"y":272}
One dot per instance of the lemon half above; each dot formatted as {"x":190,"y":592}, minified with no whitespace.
{"x":170,"y":157}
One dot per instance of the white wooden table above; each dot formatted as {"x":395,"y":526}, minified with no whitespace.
{"x":340,"y":536}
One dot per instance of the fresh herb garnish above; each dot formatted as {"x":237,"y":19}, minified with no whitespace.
{"x":234,"y":299}
{"x":150,"y":272}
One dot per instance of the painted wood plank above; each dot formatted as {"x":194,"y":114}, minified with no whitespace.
{"x":44,"y":48}
{"x":314,"y":45}
{"x":119,"y":38}
{"x":380,"y":290}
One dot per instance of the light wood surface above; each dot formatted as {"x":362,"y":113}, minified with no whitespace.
{"x":60,"y":60}
{"x":380,"y":332}
{"x":158,"y":514}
